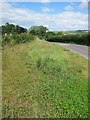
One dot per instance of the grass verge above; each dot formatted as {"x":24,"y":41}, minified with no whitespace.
{"x":41,"y":79}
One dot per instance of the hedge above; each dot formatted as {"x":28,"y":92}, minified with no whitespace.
{"x":71,"y":38}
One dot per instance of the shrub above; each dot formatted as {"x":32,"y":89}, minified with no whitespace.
{"x":17,"y":38}
{"x":5,"y":39}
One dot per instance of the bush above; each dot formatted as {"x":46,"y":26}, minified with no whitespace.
{"x":5,"y":39}
{"x":17,"y":38}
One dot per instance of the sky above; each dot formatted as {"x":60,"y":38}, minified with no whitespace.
{"x":56,"y":16}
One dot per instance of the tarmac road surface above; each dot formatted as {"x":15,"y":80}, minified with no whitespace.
{"x":79,"y":49}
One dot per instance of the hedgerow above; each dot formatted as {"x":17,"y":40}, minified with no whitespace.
{"x":71,"y":38}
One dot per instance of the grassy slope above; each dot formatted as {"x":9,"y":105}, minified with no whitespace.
{"x":41,"y":79}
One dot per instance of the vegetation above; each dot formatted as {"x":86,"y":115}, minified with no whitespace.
{"x":42,"y":79}
{"x":39,"y":31}
{"x":10,"y":28}
{"x":13,"y":39}
{"x":12,"y":35}
{"x":81,"y":38}
{"x":16,"y":34}
{"x":49,"y":34}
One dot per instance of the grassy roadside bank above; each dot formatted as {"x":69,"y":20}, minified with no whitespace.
{"x":41,"y":79}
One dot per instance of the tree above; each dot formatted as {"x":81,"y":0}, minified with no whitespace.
{"x":38,"y":30}
{"x":10,"y":28}
{"x":42,"y":30}
{"x":3,"y":29}
{"x":19,"y":29}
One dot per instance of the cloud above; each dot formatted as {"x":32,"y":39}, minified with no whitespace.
{"x":46,"y":9}
{"x":69,"y":7}
{"x":67,"y":20}
{"x":84,"y":4}
{"x":45,"y":1}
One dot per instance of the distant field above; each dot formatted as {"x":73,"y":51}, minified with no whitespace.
{"x":41,"y":79}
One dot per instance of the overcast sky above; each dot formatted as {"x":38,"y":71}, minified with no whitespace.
{"x":54,"y":15}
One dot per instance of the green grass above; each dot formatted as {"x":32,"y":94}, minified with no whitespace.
{"x":41,"y":79}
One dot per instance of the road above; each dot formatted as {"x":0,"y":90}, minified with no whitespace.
{"x":79,"y":49}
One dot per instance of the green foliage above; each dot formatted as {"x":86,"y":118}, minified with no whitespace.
{"x":49,"y":34}
{"x":70,"y":38}
{"x":10,"y":28}
{"x":0,"y":40}
{"x":42,"y":80}
{"x":39,"y":78}
{"x":5,"y":39}
{"x":17,"y":34}
{"x":19,"y":29}
{"x":39,"y":31}
{"x":59,"y":33}
{"x":17,"y":38}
